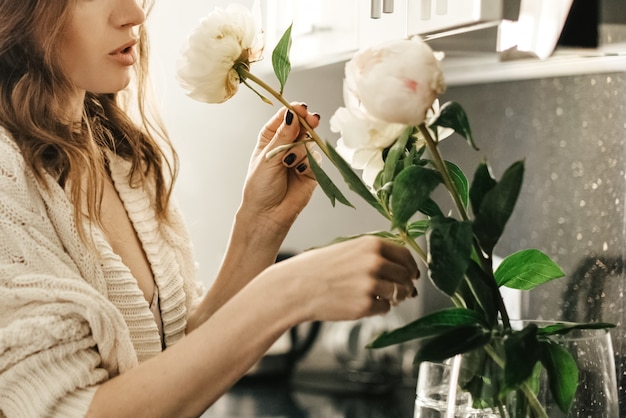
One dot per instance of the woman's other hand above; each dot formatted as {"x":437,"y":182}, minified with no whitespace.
{"x":348,"y":280}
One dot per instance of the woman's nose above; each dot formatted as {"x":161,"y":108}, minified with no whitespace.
{"x":129,"y":13}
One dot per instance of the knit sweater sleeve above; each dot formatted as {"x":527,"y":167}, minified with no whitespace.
{"x":59,"y":337}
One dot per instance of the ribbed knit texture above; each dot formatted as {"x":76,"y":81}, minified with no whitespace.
{"x":71,"y":319}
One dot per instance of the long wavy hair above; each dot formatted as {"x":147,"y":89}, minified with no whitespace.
{"x":33,"y":88}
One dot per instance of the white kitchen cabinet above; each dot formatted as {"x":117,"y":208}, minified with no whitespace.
{"x":389,"y":24}
{"x":327,"y":31}
{"x":323,"y":32}
{"x":428,"y":16}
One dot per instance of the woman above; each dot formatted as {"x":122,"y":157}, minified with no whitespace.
{"x":100,"y":313}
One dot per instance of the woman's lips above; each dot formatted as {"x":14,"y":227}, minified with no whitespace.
{"x":126,"y":55}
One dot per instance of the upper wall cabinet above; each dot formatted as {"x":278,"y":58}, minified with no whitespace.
{"x":484,"y":40}
{"x":326,"y":31}
{"x":381,"y":20}
{"x":323,"y":31}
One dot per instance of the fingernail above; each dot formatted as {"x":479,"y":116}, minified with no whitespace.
{"x":288,"y":117}
{"x":414,"y":292}
{"x":301,"y":168}
{"x":290,"y":159}
{"x":304,"y":105}
{"x":317,"y":115}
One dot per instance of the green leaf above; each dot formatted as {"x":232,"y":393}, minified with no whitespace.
{"x":427,"y":326}
{"x":562,"y":374}
{"x":449,"y":250}
{"x":527,"y":269}
{"x":411,"y":189}
{"x":326,"y":184}
{"x":430,"y":208}
{"x":518,"y":403}
{"x":457,"y":340}
{"x":353,"y":181}
{"x":418,"y":228}
{"x":497,"y":206}
{"x":483,"y":182}
{"x":396,"y":151}
{"x":564,"y":328}
{"x":280,"y":58}
{"x":482,"y":378}
{"x":460,"y":182}
{"x":477,"y":294}
{"x":452,"y":115}
{"x":521,"y":354}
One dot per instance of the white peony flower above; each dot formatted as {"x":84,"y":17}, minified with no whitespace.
{"x":221,"y":40}
{"x":363,"y":140}
{"x":397,"y":81}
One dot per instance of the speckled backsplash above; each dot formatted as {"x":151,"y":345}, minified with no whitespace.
{"x":571,"y":131}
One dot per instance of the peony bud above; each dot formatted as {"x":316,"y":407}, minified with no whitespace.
{"x":396,"y":82}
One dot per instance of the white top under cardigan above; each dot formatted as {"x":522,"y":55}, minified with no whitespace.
{"x":71,"y":319}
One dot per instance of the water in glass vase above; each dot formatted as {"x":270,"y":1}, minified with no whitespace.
{"x":436,"y":398}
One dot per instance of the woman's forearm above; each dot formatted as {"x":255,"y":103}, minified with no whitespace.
{"x":188,"y":377}
{"x":252,"y":247}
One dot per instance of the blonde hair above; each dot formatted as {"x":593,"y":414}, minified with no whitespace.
{"x":32,"y":89}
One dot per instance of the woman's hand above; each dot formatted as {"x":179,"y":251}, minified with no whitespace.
{"x":275,"y":192}
{"x":278,"y":188}
{"x":348,"y":280}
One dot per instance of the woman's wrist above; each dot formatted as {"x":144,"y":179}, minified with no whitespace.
{"x":259,"y":230}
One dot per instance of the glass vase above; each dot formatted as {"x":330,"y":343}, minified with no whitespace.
{"x":442,"y":387}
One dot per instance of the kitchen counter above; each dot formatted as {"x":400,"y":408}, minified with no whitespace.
{"x":316,"y":394}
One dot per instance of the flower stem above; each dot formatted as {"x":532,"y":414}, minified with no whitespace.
{"x":443,"y":169}
{"x":414,"y":245}
{"x":278,"y":96}
{"x":530,"y":395}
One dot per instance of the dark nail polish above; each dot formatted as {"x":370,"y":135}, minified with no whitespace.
{"x":290,"y":159}
{"x":288,"y":117}
{"x":301,"y":168}
{"x":317,"y":115}
{"x":304,"y":105}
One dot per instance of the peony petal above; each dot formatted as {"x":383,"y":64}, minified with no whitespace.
{"x":221,"y":40}
{"x":375,"y":166}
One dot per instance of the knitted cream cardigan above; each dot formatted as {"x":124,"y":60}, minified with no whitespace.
{"x":71,"y":319}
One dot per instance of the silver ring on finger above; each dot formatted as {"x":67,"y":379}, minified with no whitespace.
{"x":394,"y":297}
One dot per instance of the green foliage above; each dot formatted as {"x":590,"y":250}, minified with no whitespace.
{"x":482,"y":183}
{"x":428,"y":326}
{"x":527,"y":269}
{"x":460,"y":182}
{"x":353,"y":181}
{"x":449,"y":248}
{"x":496,"y":207}
{"x":504,"y":365}
{"x":280,"y":59}
{"x":411,"y":190}
{"x":452,"y":115}
{"x":326,"y":184}
{"x":562,"y":373}
{"x":449,"y":343}
{"x":521,"y":354}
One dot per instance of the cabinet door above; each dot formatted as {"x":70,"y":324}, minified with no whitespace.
{"x":427,"y":16}
{"x":324,"y":31}
{"x":386,"y":26}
